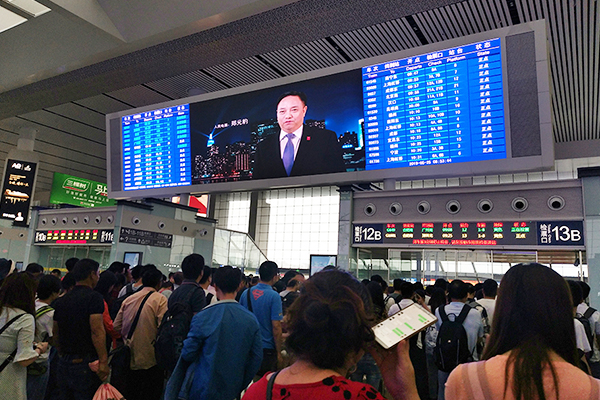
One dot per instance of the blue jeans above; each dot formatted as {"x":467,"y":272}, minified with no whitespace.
{"x":36,"y":385}
{"x":76,"y":380}
{"x":366,"y":366}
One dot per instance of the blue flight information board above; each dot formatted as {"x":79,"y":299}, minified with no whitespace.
{"x":156,"y":148}
{"x":437,"y":108}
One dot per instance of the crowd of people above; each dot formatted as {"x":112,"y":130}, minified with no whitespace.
{"x":209,"y":333}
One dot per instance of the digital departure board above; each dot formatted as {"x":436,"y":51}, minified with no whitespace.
{"x":486,"y":234}
{"x":438,"y":108}
{"x":74,"y":236}
{"x":156,"y":148}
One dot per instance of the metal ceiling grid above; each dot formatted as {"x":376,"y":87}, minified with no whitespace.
{"x":79,"y":113}
{"x":385,"y":38}
{"x":102,"y":104}
{"x":138,"y":96}
{"x":242,"y":72}
{"x":574,"y":46}
{"x":305,"y":57}
{"x":65,"y":126}
{"x":177,"y":86}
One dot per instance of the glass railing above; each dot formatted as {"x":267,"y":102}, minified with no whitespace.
{"x":236,"y":249}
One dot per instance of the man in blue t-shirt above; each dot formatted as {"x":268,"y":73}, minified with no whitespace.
{"x":265,"y":303}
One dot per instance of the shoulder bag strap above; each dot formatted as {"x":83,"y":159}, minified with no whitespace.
{"x":14,"y":353}
{"x":588,"y":313}
{"x":595,"y":390}
{"x":249,"y":300}
{"x":137,"y":316}
{"x":477,"y":384}
{"x":270,"y":384}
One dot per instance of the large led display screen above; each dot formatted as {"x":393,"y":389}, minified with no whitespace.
{"x":455,"y":110}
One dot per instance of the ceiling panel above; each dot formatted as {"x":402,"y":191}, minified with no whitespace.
{"x":177,"y":86}
{"x":79,"y":113}
{"x":68,"y":127}
{"x":388,"y":37}
{"x":243,"y":72}
{"x":103,"y":104}
{"x":305,"y":57}
{"x":138,"y":96}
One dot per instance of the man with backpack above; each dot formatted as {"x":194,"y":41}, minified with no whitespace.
{"x":583,"y":329}
{"x":459,"y":328}
{"x":593,"y":316}
{"x":265,"y":303}
{"x":185,"y":301}
{"x":395,"y":297}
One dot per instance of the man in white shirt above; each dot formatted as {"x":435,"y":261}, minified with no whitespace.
{"x":457,"y":290}
{"x":594,"y":317}
{"x":490,"y":289}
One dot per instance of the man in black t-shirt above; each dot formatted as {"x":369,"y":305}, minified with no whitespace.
{"x":192,"y":267}
{"x":79,"y":335}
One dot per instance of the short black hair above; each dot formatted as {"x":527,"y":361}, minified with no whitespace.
{"x":152,"y":278}
{"x":227,"y":278}
{"x":441,"y":283}
{"x":207,"y":273}
{"x":68,"y":281}
{"x":192,"y":266}
{"x":292,"y":283}
{"x":490,"y":288}
{"x":576,"y":292}
{"x":117,"y":267}
{"x":83,"y":268}
{"x":267,"y":271}
{"x":70,"y":263}
{"x":585,"y":289}
{"x":136,"y":272}
{"x":398,"y":283}
{"x":470,"y":288}
{"x":56,"y":270}
{"x":34,"y":268}
{"x":48,"y":285}
{"x":301,"y":95}
{"x":457,"y":289}
{"x":407,"y":289}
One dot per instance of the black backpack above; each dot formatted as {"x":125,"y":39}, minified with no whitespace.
{"x":396,"y":296}
{"x":452,"y":345}
{"x":172,"y":332}
{"x":584,"y":319}
{"x":116,"y":304}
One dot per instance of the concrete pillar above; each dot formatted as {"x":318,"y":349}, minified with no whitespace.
{"x":590,"y":178}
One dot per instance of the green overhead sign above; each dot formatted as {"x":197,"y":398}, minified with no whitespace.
{"x":67,"y":189}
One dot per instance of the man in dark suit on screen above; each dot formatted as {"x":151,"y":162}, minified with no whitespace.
{"x":298,"y":149}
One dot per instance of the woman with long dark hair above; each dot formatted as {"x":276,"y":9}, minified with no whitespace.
{"x":105,"y":285}
{"x":531,"y":352}
{"x":17,"y":347}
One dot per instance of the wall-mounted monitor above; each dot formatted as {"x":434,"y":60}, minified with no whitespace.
{"x":133,"y":258}
{"x":320,"y":261}
{"x":469,"y":106}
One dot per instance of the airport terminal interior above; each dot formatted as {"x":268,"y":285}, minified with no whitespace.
{"x":74,"y":75}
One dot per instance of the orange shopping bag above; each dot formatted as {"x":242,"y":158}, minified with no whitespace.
{"x":106,"y":391}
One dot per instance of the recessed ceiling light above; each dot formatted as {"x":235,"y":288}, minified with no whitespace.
{"x":9,"y":19}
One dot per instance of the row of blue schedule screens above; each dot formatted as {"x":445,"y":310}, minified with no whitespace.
{"x":434,"y":115}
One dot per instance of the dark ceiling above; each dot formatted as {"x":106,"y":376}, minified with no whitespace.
{"x":259,"y":41}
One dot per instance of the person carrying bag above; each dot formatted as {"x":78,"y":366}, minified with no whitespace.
{"x":120,"y":358}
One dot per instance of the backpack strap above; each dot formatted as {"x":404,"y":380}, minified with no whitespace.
{"x":463,"y":314}
{"x":249,"y":300}
{"x":588,"y":313}
{"x":14,"y":353}
{"x":137,"y":316}
{"x":443,"y":314}
{"x":43,"y":310}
